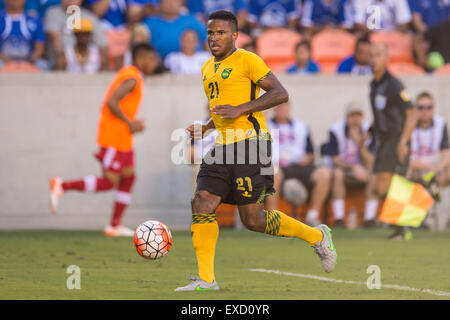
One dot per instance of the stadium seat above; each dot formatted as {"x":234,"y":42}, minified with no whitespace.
{"x":243,"y":39}
{"x":399,"y":45}
{"x":406,"y":68}
{"x":443,"y":70}
{"x":20,"y":66}
{"x":329,"y":47}
{"x":277,"y":46}
{"x":118,"y":42}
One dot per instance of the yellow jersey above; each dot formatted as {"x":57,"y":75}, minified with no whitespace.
{"x":233,"y":81}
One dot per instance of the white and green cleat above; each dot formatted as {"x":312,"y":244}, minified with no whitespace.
{"x":325,"y":249}
{"x":199,"y":285}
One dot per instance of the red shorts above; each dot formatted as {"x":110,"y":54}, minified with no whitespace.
{"x":113,"y":160}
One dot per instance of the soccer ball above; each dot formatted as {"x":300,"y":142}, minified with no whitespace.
{"x":152,"y":239}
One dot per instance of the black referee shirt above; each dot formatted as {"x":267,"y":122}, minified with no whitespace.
{"x":389,"y":100}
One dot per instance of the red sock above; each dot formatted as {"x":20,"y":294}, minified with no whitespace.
{"x":88,"y":184}
{"x":122,"y":199}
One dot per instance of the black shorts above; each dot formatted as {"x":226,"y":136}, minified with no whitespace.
{"x":386,"y":159}
{"x":240,"y":182}
{"x":302,"y":173}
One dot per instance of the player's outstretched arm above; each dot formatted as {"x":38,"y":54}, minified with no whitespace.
{"x":121,"y":92}
{"x":275,"y":94}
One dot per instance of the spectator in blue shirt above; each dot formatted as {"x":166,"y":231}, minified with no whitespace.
{"x":139,"y":9}
{"x":166,"y":28}
{"x":273,"y":13}
{"x":203,"y":8}
{"x":304,"y":64}
{"x":39,"y":7}
{"x":22,"y":37}
{"x":317,"y":14}
{"x":358,"y":63}
{"x":427,"y":13}
{"x":112,"y":13}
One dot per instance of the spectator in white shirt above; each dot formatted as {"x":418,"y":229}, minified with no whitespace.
{"x":188,"y":60}
{"x":430,"y":149}
{"x":84,"y":56}
{"x":60,"y":36}
{"x":377,"y":15}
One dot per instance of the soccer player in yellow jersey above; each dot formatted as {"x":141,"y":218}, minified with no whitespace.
{"x":238,"y":170}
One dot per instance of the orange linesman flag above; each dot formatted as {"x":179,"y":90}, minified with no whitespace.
{"x":407,"y":203}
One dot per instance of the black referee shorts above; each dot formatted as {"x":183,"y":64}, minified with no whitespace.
{"x":246,"y":180}
{"x":386,"y":159}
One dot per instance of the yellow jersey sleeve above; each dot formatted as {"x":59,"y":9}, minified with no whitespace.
{"x":257,"y":68}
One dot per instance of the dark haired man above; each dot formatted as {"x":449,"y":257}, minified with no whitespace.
{"x":358,"y":63}
{"x":238,"y":169}
{"x":116,"y":127}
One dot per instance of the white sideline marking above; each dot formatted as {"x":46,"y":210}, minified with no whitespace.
{"x":389,"y":286}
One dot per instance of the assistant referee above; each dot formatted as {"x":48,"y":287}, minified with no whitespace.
{"x":394,"y":121}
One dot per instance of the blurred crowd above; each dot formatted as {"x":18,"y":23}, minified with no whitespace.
{"x":46,"y":35}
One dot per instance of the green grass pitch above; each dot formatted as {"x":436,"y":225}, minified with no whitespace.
{"x":33,"y":265}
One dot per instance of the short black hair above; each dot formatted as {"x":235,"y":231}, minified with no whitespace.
{"x":361,"y":41}
{"x":141,"y":47}
{"x":303,"y":43}
{"x":225,"y":15}
{"x":424,"y":94}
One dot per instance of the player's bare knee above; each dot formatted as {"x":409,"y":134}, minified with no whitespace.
{"x":203,"y":202}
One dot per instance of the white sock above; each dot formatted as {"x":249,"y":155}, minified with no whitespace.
{"x":312,"y":214}
{"x":338,"y":209}
{"x":370,"y":211}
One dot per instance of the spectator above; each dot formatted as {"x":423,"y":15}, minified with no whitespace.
{"x":430,"y":149}
{"x":188,"y":60}
{"x":84,"y":57}
{"x":317,"y":14}
{"x":358,"y":63}
{"x":38,"y":8}
{"x":375,"y":15}
{"x":273,"y":13}
{"x":296,"y":160}
{"x":139,"y":9}
{"x":437,"y":43}
{"x":60,"y":36}
{"x":112,"y":13}
{"x":203,"y":8}
{"x":352,"y":157}
{"x":141,"y":34}
{"x":167,"y":27}
{"x":426,"y":13}
{"x":22,"y":36}
{"x":304,"y":64}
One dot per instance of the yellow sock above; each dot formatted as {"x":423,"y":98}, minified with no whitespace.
{"x":205,"y":232}
{"x":280,"y":224}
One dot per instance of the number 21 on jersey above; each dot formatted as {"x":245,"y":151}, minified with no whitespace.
{"x":214,"y":90}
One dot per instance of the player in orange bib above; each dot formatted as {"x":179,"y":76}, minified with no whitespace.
{"x":116,"y":126}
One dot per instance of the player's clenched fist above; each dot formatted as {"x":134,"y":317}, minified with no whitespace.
{"x":136,"y":126}
{"x":196,"y":131}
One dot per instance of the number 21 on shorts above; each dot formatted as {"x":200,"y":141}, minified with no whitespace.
{"x":241,"y":182}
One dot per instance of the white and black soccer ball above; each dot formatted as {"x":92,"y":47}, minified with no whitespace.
{"x":152,"y":239}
